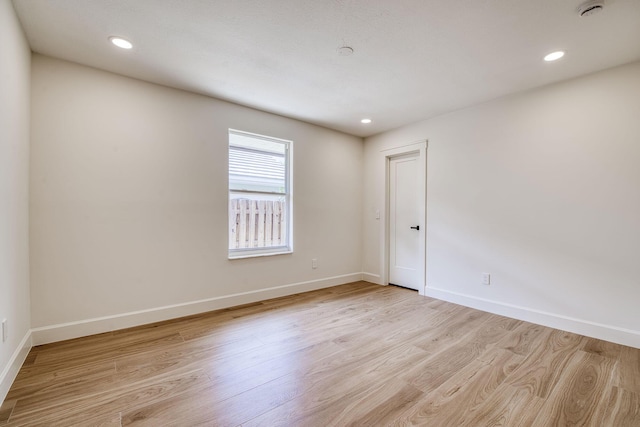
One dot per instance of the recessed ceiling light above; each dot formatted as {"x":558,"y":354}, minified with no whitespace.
{"x":553,"y":56}
{"x":120,"y":42}
{"x":366,"y":121}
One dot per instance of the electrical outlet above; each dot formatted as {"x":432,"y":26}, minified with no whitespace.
{"x":314,"y":263}
{"x":486,"y":279}
{"x":5,"y":331}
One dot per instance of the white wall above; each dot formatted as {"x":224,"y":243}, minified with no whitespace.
{"x":129,"y":203}
{"x":540,"y":189}
{"x":15,"y":60}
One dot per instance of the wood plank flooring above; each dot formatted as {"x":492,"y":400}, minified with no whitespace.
{"x":356,"y":354}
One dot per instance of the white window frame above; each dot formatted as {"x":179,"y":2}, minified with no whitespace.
{"x":286,"y":248}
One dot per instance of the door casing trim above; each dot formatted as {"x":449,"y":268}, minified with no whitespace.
{"x":419,"y":147}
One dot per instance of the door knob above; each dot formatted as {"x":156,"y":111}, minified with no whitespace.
{"x":417,"y":227}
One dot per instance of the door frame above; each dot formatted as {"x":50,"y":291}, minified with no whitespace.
{"x":420,"y":148}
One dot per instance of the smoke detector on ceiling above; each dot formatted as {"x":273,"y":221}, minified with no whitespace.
{"x":590,"y":8}
{"x":345,"y":51}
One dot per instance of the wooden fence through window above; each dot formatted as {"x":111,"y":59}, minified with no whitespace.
{"x":256,"y":223}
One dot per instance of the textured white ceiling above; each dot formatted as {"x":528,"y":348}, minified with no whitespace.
{"x":413,"y":58}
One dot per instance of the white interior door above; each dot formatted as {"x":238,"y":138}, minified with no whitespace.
{"x":404,"y":221}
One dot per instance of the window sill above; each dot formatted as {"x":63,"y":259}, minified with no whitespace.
{"x":257,"y":255}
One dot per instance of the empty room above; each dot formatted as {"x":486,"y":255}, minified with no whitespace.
{"x":319,"y":213}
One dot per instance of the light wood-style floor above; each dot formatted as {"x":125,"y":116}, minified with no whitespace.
{"x":357,"y":354}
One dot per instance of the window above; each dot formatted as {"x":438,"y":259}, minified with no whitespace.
{"x":259,"y":195}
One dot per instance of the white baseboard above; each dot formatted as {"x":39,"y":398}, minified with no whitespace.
{"x":579,"y":326}
{"x":372,"y":278}
{"x":65,"y":331}
{"x":15,"y":363}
